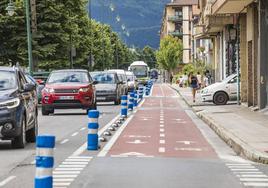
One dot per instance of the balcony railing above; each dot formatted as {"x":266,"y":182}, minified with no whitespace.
{"x":176,"y":33}
{"x":175,"y":18}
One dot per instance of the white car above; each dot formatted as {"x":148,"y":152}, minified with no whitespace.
{"x":131,"y":80}
{"x":221,"y":92}
{"x":122,"y":77}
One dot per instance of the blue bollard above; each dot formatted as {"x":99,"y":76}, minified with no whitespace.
{"x":44,"y":161}
{"x":93,"y":126}
{"x":131,"y":101}
{"x":124,"y":106}
{"x":135,"y":102}
{"x":140,"y":93}
{"x":148,"y":90}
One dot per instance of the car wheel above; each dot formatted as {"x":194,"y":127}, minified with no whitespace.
{"x":20,"y":141}
{"x":33,"y":132}
{"x":45,"y":112}
{"x":220,"y":98}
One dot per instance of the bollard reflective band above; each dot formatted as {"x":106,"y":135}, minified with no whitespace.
{"x":93,"y":114}
{"x":93,"y":125}
{"x":45,"y":141}
{"x":44,"y":162}
{"x":92,"y":131}
{"x":123,"y":101}
{"x":44,"y":152}
{"x":93,"y":120}
{"x":43,"y":172}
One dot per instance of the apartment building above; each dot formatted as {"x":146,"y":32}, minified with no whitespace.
{"x":177,"y":21}
{"x":238,"y":30}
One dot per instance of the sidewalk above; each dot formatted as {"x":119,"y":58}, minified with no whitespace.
{"x":245,"y":131}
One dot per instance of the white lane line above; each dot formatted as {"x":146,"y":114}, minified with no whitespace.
{"x":82,"y":148}
{"x":109,"y":145}
{"x":162,"y":141}
{"x":161,"y":119}
{"x":65,"y":176}
{"x":63,"y":179}
{"x":162,"y":125}
{"x":252,"y":176}
{"x":83,"y":128}
{"x":5,"y":181}
{"x":238,"y":164}
{"x":68,"y":169}
{"x":254,"y":179}
{"x":244,"y":169}
{"x":74,"y":163}
{"x":161,"y":122}
{"x":256,"y":184}
{"x":64,"y":141}
{"x":247,"y":172}
{"x":162,"y":130}
{"x":161,"y":150}
{"x":77,"y":160}
{"x":80,"y":157}
{"x":72,"y":166}
{"x":74,"y":134}
{"x":66,"y":172}
{"x":162,"y":135}
{"x":234,"y":167}
{"x":61,"y":184}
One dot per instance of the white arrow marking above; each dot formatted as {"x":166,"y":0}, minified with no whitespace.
{"x":136,"y":142}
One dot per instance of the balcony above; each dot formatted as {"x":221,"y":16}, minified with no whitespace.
{"x":175,"y":18}
{"x":176,"y":33}
{"x":229,"y":6}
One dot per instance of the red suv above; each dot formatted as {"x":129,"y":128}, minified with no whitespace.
{"x":68,"y":89}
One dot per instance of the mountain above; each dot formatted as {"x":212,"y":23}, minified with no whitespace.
{"x":141,"y":19}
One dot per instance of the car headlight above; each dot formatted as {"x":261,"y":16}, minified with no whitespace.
{"x":204,"y":91}
{"x":84,"y":89}
{"x":13,"y":103}
{"x":48,"y":90}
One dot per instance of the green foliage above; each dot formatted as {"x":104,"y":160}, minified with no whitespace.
{"x":148,"y":55}
{"x":188,"y":68}
{"x":170,"y":53}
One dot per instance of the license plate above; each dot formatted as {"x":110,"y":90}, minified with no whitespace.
{"x":101,"y":98}
{"x":66,"y":97}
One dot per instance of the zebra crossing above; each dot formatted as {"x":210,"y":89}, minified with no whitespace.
{"x":248,"y":174}
{"x":68,"y":170}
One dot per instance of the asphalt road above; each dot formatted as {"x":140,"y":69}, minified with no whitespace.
{"x":17,"y":168}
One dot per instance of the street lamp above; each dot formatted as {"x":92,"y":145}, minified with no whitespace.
{"x":11,"y":10}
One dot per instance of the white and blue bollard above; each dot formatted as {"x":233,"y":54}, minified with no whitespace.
{"x":93,"y":126}
{"x":135,"y":102}
{"x":124,"y":106}
{"x":140,"y":93}
{"x":148,"y":90}
{"x":44,"y":161}
{"x":131,"y":101}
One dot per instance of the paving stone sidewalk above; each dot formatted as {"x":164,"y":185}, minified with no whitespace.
{"x":242,"y":129}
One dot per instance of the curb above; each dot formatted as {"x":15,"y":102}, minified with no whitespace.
{"x":238,"y":145}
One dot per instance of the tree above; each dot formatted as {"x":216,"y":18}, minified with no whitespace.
{"x":170,"y":53}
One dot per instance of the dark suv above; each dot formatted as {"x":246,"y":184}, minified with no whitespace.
{"x":18,"y":107}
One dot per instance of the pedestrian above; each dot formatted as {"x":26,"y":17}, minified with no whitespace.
{"x":185,"y":79}
{"x":194,"y":84}
{"x":181,"y":81}
{"x":199,"y":79}
{"x":205,"y":81}
{"x":171,"y":78}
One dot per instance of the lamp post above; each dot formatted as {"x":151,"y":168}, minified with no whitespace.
{"x":11,"y":10}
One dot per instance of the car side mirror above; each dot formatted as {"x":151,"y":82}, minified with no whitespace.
{"x":95,"y":82}
{"x":28,"y":87}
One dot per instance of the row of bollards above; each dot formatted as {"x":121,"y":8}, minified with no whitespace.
{"x":45,"y":144}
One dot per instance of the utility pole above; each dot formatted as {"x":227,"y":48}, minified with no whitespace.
{"x":29,"y":36}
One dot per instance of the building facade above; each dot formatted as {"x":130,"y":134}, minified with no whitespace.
{"x":177,"y":21}
{"x":238,"y":30}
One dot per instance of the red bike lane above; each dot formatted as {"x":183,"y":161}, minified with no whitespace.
{"x":161,"y":128}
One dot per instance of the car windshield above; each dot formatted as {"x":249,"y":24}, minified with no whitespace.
{"x":228,"y":78}
{"x":7,"y":80}
{"x":104,"y":78}
{"x":130,"y":77}
{"x":68,"y":76}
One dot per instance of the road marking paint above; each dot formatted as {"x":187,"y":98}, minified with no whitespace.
{"x":66,"y":172}
{"x":77,"y":160}
{"x":252,"y":176}
{"x":137,"y":136}
{"x":185,"y":142}
{"x":241,"y":167}
{"x":80,"y":157}
{"x":109,"y":145}
{"x":136,"y":142}
{"x":161,"y":119}
{"x":162,"y":130}
{"x":188,"y":149}
{"x":74,"y":134}
{"x":244,"y":169}
{"x":61,"y":184}
{"x":82,"y":148}
{"x":162,"y":125}
{"x":65,"y":176}
{"x":161,"y":150}
{"x":162,"y":135}
{"x":146,"y":156}
{"x":237,"y":164}
{"x":83,"y":128}
{"x":162,"y":141}
{"x":63,"y":179}
{"x":162,"y":122}
{"x":119,"y":156}
{"x":256,"y":184}
{"x":72,"y":166}
{"x":59,"y":187}
{"x":5,"y":181}
{"x":254,"y":179}
{"x":64,"y":141}
{"x":247,"y":172}
{"x":77,"y":163}
{"x":68,"y":169}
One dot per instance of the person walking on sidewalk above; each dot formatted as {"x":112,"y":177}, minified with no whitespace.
{"x":199,"y":79}
{"x":193,"y":84}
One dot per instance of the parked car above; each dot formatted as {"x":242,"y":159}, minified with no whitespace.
{"x":221,"y":92}
{"x":67,"y":89}
{"x":131,"y":81}
{"x":109,"y":87}
{"x":122,"y":77}
{"x":39,"y":86}
{"x":18,"y":108}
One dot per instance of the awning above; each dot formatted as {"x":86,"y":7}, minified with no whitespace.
{"x":229,"y":6}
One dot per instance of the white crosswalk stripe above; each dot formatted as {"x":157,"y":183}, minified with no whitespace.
{"x":68,"y":170}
